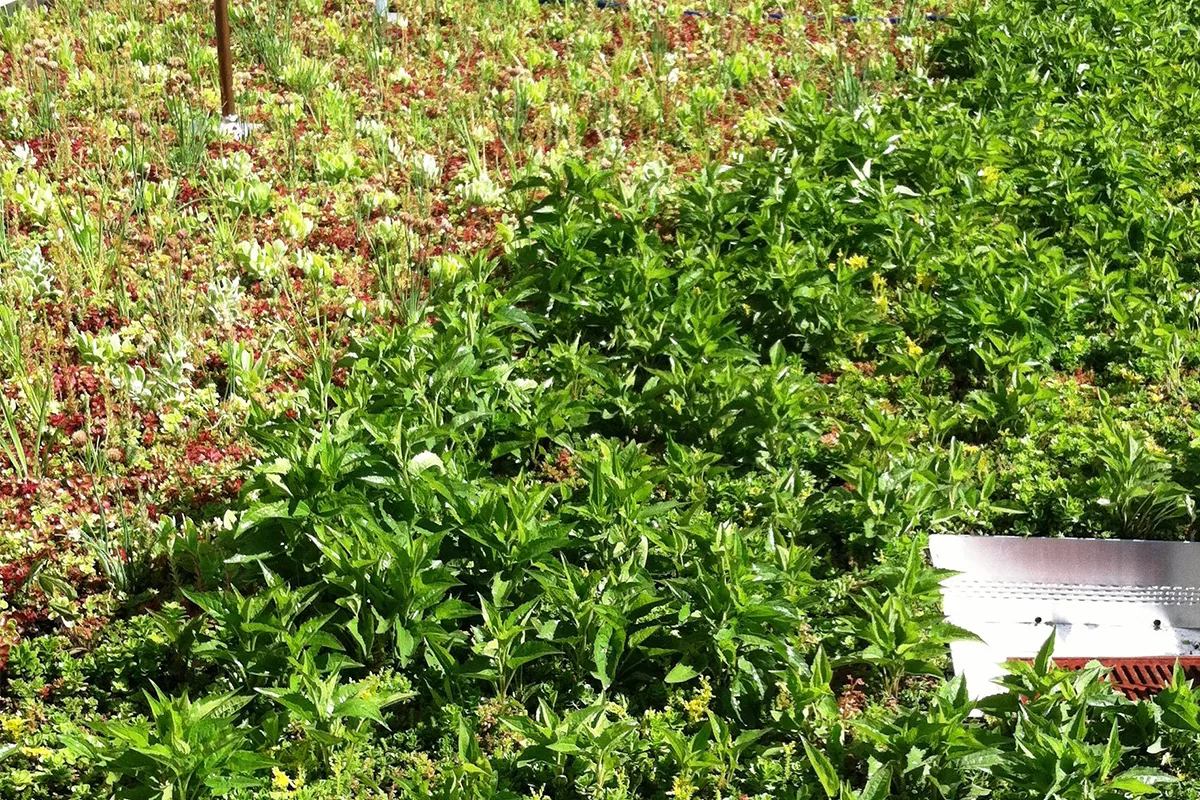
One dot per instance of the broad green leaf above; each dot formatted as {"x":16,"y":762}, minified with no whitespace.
{"x":1041,"y":664}
{"x":822,"y":670}
{"x":826,"y":773}
{"x":607,"y":641}
{"x":878,"y":785}
{"x":681,"y":673}
{"x":406,"y":644}
{"x":423,"y":461}
{"x":531,"y":651}
{"x":1112,"y":753}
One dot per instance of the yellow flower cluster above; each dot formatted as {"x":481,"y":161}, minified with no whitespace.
{"x":284,"y":783}
{"x":697,"y":707}
{"x":14,"y":726}
{"x":683,"y":788}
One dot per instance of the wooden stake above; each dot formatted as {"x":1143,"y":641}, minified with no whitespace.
{"x":224,"y":61}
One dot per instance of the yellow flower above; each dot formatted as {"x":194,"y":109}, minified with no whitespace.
{"x":990,"y":175}
{"x":617,"y":710}
{"x":914,"y":349}
{"x":280,"y":779}
{"x":697,"y":707}
{"x":37,"y":753}
{"x":682,"y":788}
{"x":857,"y":262}
{"x":14,"y":726}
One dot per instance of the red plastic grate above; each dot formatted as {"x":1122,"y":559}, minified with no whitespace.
{"x":1138,"y":678}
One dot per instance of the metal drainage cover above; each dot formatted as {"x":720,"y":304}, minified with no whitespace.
{"x":1135,"y":603}
{"x":1137,"y":678}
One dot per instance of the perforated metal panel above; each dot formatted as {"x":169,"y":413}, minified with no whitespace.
{"x":1102,"y":599}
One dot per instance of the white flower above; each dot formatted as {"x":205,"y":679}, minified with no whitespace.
{"x":425,"y":169}
{"x":560,"y":115}
{"x":481,"y":190}
{"x":25,"y":155}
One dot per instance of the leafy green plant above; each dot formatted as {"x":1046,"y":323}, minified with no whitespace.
{"x":901,"y":635}
{"x":22,"y":443}
{"x":329,"y":711}
{"x":504,"y":639}
{"x":193,"y":129}
{"x":186,"y":750}
{"x":257,"y":636}
{"x":268,"y":29}
{"x":1135,"y":487}
{"x":1057,"y":748}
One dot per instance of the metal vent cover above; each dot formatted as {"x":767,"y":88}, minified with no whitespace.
{"x":1111,"y":600}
